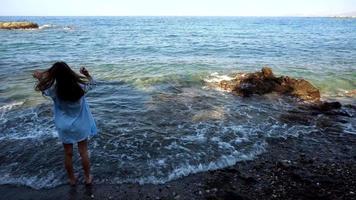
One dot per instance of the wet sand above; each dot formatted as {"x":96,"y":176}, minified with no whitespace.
{"x":321,"y":165}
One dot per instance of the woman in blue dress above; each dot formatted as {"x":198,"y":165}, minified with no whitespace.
{"x":73,"y":119}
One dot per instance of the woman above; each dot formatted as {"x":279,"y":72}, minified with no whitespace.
{"x":73,"y":119}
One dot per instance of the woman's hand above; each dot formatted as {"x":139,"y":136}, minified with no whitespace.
{"x":84,"y":72}
{"x":37,"y":74}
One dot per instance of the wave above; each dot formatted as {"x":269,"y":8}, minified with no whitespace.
{"x":346,"y":93}
{"x":26,"y":123}
{"x":45,"y":26}
{"x":53,"y":26}
{"x":37,"y":134}
{"x":186,"y":169}
{"x":36,"y":182}
{"x":54,"y":179}
{"x":8,"y":107}
{"x":213,"y":81}
{"x":215,"y":77}
{"x":341,"y":95}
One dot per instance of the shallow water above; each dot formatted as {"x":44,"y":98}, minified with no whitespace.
{"x":158,"y":118}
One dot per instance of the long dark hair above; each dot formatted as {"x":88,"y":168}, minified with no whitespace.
{"x":66,"y":82}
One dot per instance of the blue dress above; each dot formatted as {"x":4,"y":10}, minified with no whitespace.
{"x":73,"y":120}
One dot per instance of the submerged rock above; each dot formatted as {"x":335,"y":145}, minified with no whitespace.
{"x":265,"y":82}
{"x":18,"y":25}
{"x":351,"y":93}
{"x":327,"y":106}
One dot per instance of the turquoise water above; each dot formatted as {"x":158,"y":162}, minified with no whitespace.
{"x":158,"y":117}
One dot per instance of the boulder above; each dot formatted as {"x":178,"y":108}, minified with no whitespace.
{"x":17,"y":25}
{"x":267,"y":72}
{"x":301,"y":88}
{"x":265,"y":82}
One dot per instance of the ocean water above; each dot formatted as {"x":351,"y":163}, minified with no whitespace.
{"x":158,"y":118}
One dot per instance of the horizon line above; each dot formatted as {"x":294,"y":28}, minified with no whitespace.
{"x":174,"y":16}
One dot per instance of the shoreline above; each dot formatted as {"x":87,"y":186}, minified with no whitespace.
{"x":319,"y":165}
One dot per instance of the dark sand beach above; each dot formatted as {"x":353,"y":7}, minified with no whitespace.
{"x":320,"y":165}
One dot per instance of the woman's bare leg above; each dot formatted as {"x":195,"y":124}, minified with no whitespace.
{"x":68,"y":157}
{"x":83,"y":151}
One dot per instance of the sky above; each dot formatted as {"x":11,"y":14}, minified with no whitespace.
{"x":175,"y":7}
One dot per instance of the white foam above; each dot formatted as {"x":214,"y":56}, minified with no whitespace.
{"x":67,"y":28}
{"x":46,"y":26}
{"x":194,"y":138}
{"x":157,"y":162}
{"x":186,"y":169}
{"x":8,"y":107}
{"x":50,"y":181}
{"x":349,"y":128}
{"x":38,"y":135}
{"x":342,"y":93}
{"x":25,"y":123}
{"x":216,"y":78}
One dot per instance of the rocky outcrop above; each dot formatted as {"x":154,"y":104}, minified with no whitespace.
{"x":266,"y":82}
{"x":17,"y":25}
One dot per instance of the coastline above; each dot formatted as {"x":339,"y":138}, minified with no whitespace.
{"x":320,"y":165}
{"x":144,"y":87}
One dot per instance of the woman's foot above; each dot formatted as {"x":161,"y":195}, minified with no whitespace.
{"x":72,"y":181}
{"x":89,"y":180}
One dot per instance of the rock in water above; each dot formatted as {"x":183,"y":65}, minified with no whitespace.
{"x":17,"y":25}
{"x":265,"y":82}
{"x":267,"y":72}
{"x":302,"y":89}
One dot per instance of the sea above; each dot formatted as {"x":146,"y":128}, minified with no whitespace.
{"x":159,"y":115}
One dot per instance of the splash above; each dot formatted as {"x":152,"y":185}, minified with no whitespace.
{"x":8,"y":107}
